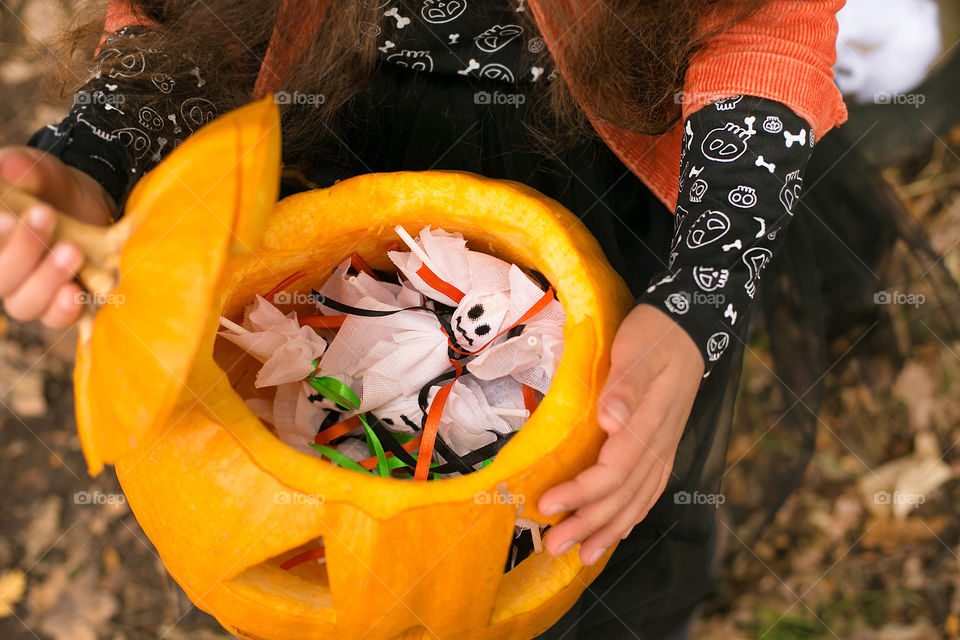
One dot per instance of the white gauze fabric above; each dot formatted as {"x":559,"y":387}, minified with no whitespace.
{"x":533,"y":356}
{"x":394,"y":355}
{"x":291,"y":413}
{"x":354,"y":448}
{"x":351,"y":290}
{"x":467,"y":417}
{"x":286,"y":349}
{"x":392,"y":414}
{"x":455,"y":264}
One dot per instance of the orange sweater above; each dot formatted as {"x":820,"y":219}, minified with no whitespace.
{"x":784,"y":52}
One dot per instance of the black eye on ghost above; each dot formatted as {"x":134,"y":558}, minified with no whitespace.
{"x":474,"y":313}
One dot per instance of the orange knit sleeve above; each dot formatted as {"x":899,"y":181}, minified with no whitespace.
{"x":783,"y":52}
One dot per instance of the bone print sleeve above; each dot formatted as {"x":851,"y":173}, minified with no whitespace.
{"x":138,"y":104}
{"x":741,"y":174}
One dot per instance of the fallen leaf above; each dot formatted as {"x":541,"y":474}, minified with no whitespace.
{"x":42,"y":530}
{"x":12,"y":585}
{"x":917,"y":389}
{"x":888,"y":534}
{"x":900,"y":486}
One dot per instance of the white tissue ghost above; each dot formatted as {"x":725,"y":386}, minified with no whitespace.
{"x":468,"y":421}
{"x":402,"y":414}
{"x":479,"y":318}
{"x":286,"y":349}
{"x":295,"y":418}
{"x":395,"y":355}
{"x":468,"y":271}
{"x":533,"y":356}
{"x":352,"y":290}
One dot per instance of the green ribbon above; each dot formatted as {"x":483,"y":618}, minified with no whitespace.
{"x":345,"y":397}
{"x":341,"y":459}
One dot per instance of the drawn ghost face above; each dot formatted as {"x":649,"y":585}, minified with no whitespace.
{"x":440,"y":11}
{"x":478,"y":318}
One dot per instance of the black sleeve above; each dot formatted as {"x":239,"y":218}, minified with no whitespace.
{"x":138,"y":105}
{"x":742,"y":171}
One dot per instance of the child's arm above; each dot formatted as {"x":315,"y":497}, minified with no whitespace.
{"x":124,"y":120}
{"x":139,"y":104}
{"x":743,"y":160}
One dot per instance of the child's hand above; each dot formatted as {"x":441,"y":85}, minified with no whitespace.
{"x":36,"y":280}
{"x":654,"y":376}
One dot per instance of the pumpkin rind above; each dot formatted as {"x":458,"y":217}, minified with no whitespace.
{"x":212,"y":487}
{"x":206,"y":201}
{"x":404,"y":559}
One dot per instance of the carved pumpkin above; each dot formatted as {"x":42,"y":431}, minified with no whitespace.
{"x":226,"y":503}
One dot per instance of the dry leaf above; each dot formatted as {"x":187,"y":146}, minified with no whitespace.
{"x":917,"y":389}
{"x":902,"y":485}
{"x":12,"y":585}
{"x":42,"y":530}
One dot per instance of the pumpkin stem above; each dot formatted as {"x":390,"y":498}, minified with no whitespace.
{"x":100,"y":245}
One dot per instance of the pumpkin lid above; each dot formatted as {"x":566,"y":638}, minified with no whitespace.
{"x":207,"y":201}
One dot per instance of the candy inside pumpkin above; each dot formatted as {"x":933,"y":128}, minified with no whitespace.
{"x":226,"y":503}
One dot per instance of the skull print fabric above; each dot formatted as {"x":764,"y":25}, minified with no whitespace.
{"x":475,"y":38}
{"x":115,"y":137}
{"x":742,"y":165}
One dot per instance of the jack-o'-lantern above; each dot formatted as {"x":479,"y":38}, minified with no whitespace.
{"x":227,"y":504}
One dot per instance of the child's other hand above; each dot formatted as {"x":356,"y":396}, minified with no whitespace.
{"x":654,"y":375}
{"x":36,"y":280}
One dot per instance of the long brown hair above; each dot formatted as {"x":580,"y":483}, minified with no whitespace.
{"x":627,"y":58}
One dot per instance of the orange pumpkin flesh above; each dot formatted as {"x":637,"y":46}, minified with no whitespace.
{"x":225,"y":502}
{"x":208,"y":199}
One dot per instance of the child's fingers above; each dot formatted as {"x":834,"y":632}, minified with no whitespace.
{"x":39,"y":173}
{"x":591,"y":517}
{"x":618,"y":458}
{"x":64,"y":308}
{"x":33,"y":297}
{"x":69,"y":190}
{"x":26,"y":244}
{"x":20,"y":166}
{"x":643,"y":499}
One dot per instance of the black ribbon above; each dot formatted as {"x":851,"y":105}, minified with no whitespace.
{"x":454,"y":350}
